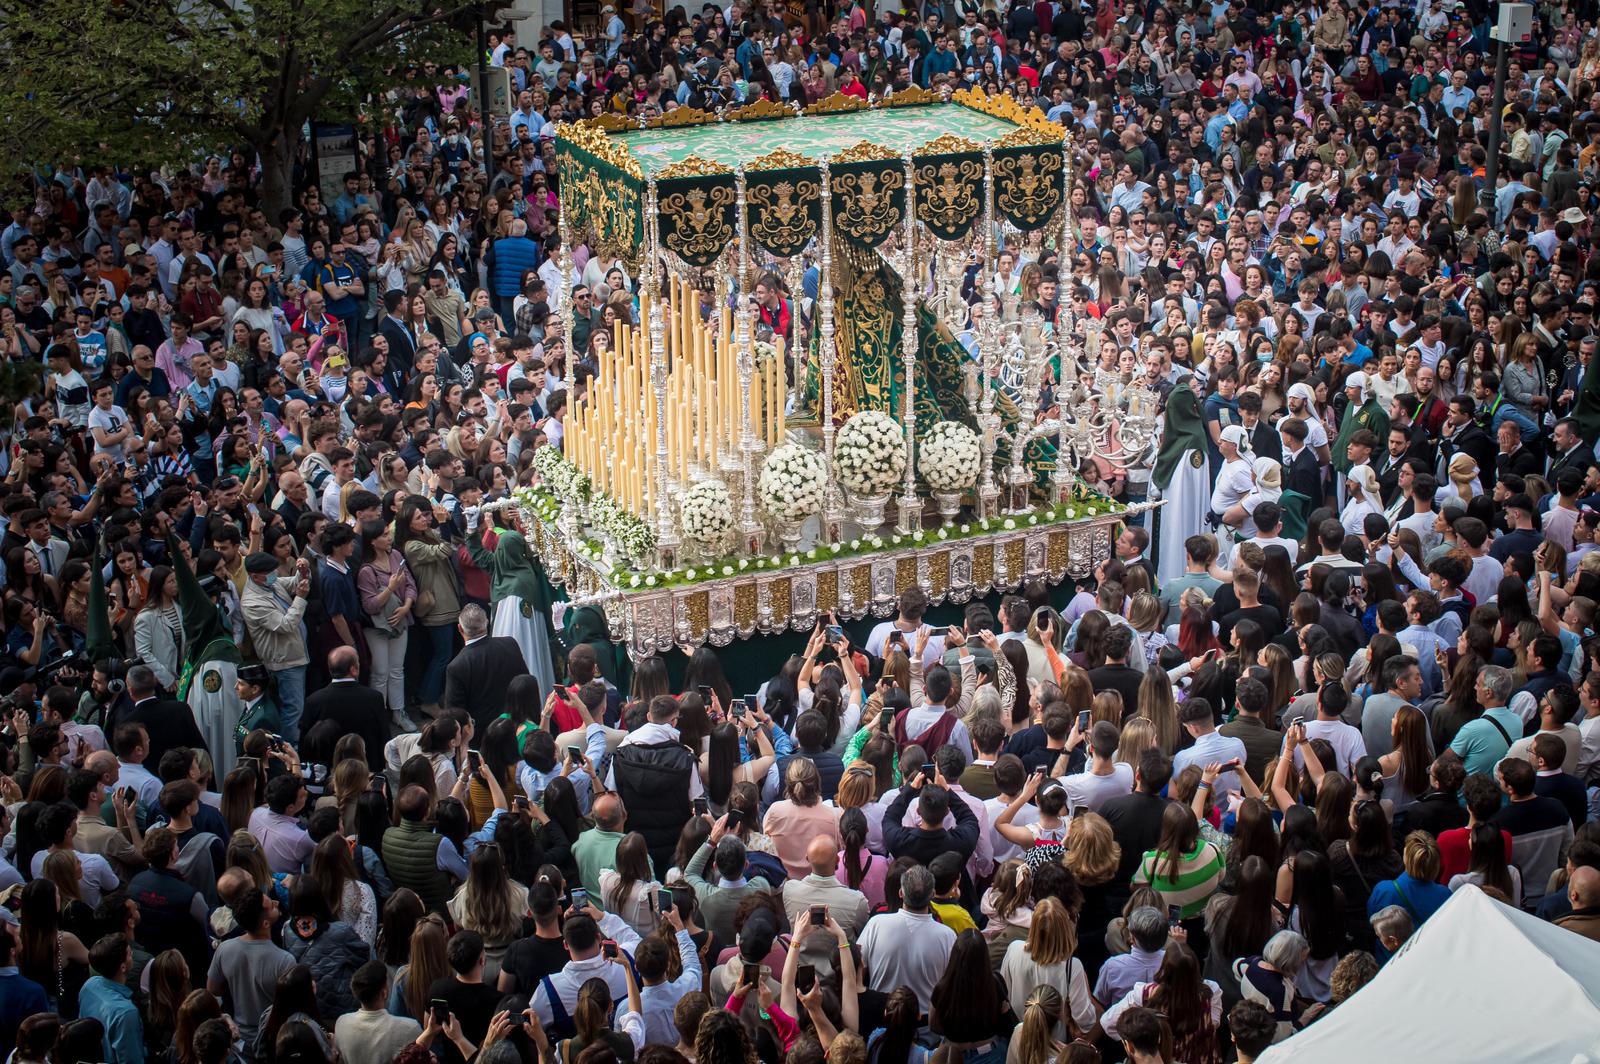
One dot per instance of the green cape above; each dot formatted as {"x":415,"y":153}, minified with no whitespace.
{"x":1182,"y":430}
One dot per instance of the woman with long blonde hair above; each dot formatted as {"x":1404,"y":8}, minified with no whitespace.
{"x":1157,"y":704}
{"x":1138,"y":735}
{"x":1045,"y":958}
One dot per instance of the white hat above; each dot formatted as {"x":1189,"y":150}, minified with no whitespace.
{"x":1302,"y":391}
{"x":1356,"y":380}
{"x":1574,"y":216}
{"x":1237,"y":436}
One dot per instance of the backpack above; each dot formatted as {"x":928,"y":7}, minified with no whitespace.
{"x":767,"y":866}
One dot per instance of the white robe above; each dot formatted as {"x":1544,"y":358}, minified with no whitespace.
{"x":1188,"y":497}
{"x":216,"y":712}
{"x":528,"y":629}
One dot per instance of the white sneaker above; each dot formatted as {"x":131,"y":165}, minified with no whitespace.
{"x":404,"y":723}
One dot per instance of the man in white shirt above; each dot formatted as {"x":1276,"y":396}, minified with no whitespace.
{"x":343,"y":461}
{"x":581,"y":934}
{"x":1104,"y":778}
{"x":1210,"y":747}
{"x":1235,"y":479}
{"x":1348,"y":746}
{"x":1268,"y":517}
{"x":1010,"y":776}
{"x":908,"y":947}
{"x":908,"y":625}
{"x":109,"y":424}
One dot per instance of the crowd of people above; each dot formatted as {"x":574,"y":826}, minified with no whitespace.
{"x":304,"y":761}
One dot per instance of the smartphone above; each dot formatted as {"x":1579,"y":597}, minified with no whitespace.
{"x":805,"y":977}
{"x":1174,"y":915}
{"x":701,"y":807}
{"x":580,"y":898}
{"x":474,"y":761}
{"x":885,"y":718}
{"x":608,"y":949}
{"x":735,"y":818}
{"x":835,"y":633}
{"x":752,"y":975}
{"x":737,"y":708}
{"x":663,"y":900}
{"x":575,"y":754}
{"x":819,"y":915}
{"x":927,"y":770}
{"x":379,"y":783}
{"x":519,"y":802}
{"x":705,"y":695}
{"x":129,"y":794}
{"x":441,"y":1011}
{"x":897,"y":638}
{"x":752,"y":701}
{"x":1083,"y":720}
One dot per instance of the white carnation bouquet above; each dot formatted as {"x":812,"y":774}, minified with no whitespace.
{"x":706,"y":512}
{"x":948,"y":457}
{"x":793,"y":482}
{"x":870,"y":453}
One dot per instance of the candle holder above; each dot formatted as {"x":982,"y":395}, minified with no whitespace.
{"x":833,"y":506}
{"x":989,"y":343}
{"x":750,"y":530}
{"x":910,"y":508}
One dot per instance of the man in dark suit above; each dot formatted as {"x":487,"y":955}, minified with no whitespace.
{"x":170,"y":723}
{"x":1264,"y":441}
{"x":1514,"y":458}
{"x":476,"y":679}
{"x":355,"y":707}
{"x":1463,"y":436}
{"x":402,"y":344}
{"x":1302,"y":472}
{"x":1570,"y":449}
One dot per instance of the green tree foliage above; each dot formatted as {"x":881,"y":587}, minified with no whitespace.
{"x":152,"y":82}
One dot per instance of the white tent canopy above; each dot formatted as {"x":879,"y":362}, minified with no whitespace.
{"x":1480,"y":981}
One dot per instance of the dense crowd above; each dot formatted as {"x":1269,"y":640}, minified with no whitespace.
{"x":304,"y":761}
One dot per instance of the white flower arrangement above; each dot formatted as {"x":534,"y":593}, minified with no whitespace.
{"x":561,"y":476}
{"x":948,"y":457}
{"x":793,"y":481}
{"x":631,"y":536}
{"x":707,"y":513}
{"x":870,"y":453}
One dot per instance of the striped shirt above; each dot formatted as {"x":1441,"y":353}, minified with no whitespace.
{"x":1199,"y":874}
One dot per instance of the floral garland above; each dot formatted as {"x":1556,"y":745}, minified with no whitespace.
{"x":948,"y":457}
{"x":706,"y":512}
{"x":793,"y":482}
{"x":870,"y":453}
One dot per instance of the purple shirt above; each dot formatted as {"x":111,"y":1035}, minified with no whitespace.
{"x":1119,"y":973}
{"x":282,"y":839}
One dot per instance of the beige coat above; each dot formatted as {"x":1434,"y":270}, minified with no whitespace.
{"x":274,"y":630}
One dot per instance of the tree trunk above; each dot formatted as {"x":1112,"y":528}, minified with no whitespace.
{"x":277,"y":172}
